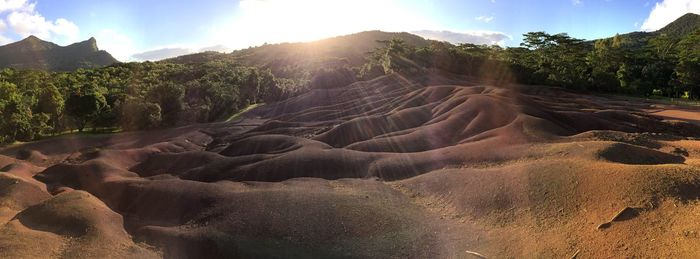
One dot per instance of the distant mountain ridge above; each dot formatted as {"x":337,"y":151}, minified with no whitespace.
{"x":677,"y":29}
{"x":293,"y":59}
{"x":682,"y":26}
{"x":351,"y":49}
{"x":37,"y":54}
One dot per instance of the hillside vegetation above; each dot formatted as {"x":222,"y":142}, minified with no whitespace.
{"x":209,"y":86}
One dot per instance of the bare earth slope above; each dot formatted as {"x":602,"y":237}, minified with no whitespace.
{"x":434,"y":166}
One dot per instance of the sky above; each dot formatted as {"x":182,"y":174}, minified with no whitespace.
{"x":150,"y":30}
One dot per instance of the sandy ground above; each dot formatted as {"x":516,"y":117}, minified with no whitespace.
{"x":679,"y":113}
{"x":433,"y":166}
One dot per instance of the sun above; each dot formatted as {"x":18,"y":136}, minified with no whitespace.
{"x":273,"y":21}
{"x":296,"y":20}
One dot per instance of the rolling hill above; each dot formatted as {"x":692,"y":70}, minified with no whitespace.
{"x":675,"y":30}
{"x":286,"y":58}
{"x":681,"y":26}
{"x":34,"y":53}
{"x":352,"y":49}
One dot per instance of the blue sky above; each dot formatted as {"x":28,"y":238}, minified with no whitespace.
{"x":129,"y":27}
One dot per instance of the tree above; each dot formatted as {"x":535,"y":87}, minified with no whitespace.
{"x":51,"y":103}
{"x":397,"y":46}
{"x":605,"y":60}
{"x":332,"y":78}
{"x":557,"y":59}
{"x":248,"y":90}
{"x":392,"y":57}
{"x":168,"y":96}
{"x":14,"y":113}
{"x":137,"y":114}
{"x":85,"y":106}
{"x":688,"y":68}
{"x":664,"y":46}
{"x":267,"y":87}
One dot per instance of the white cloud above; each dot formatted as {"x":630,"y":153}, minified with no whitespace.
{"x":119,"y":45}
{"x":217,"y":48}
{"x":474,"y":37}
{"x":12,"y":5}
{"x":162,"y":53}
{"x":66,"y":28}
{"x":26,"y":23}
{"x":175,"y":51}
{"x":23,"y":20}
{"x":577,"y":2}
{"x":4,"y":40}
{"x":274,"y":21}
{"x":484,"y":18}
{"x":668,"y":11}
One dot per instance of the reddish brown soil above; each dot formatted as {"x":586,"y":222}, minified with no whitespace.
{"x":423,"y":167}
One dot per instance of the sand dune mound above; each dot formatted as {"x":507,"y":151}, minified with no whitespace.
{"x":635,"y":155}
{"x":31,"y":156}
{"x":72,"y":224}
{"x":17,"y":194}
{"x":394,"y":128}
{"x":425,"y":166}
{"x":320,"y":219}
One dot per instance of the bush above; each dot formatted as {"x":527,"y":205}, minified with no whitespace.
{"x":332,"y":78}
{"x":136,"y":114}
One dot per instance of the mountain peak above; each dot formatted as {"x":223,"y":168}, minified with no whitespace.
{"x":31,"y":44}
{"x":34,"y":53}
{"x":91,"y":43}
{"x":682,"y":26}
{"x":87,"y":46}
{"x":32,"y":38}
{"x":689,"y":16}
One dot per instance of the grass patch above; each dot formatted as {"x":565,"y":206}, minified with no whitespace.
{"x":241,"y":112}
{"x":658,"y":99}
{"x":86,"y":132}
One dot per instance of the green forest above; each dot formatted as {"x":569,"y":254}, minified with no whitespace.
{"x":127,"y":96}
{"x":137,"y":96}
{"x":664,"y":66}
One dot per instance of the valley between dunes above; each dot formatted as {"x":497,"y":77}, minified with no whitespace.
{"x":432,"y":166}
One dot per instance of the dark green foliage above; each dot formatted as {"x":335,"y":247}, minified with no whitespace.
{"x":688,"y":70}
{"x":13,"y":112}
{"x":666,"y":62}
{"x":130,"y":96}
{"x":138,"y":114}
{"x":332,"y":78}
{"x":85,"y":106}
{"x":394,"y":56}
{"x":51,"y":103}
{"x":556,"y":59}
{"x":168,"y":97}
{"x":267,"y":87}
